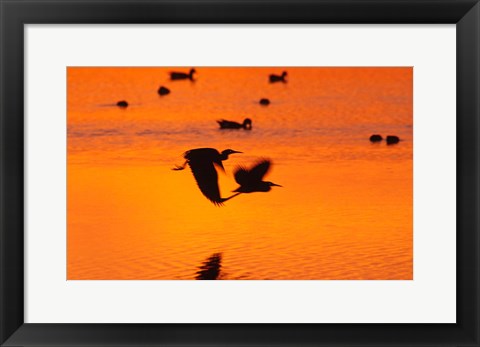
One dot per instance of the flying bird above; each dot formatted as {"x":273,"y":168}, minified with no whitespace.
{"x":227,"y":124}
{"x":251,"y":180}
{"x":182,"y":75}
{"x":202,"y":162}
{"x":278,"y":78}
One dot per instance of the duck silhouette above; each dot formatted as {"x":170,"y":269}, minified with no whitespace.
{"x":122,"y":104}
{"x":163,"y":91}
{"x":392,"y":139}
{"x":227,"y":124}
{"x":251,"y":180}
{"x":182,"y":75}
{"x":278,"y":78}
{"x":202,"y":162}
{"x":264,"y":102}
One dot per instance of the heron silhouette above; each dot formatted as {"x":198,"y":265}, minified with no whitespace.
{"x":182,"y":75}
{"x":228,"y":124}
{"x":278,"y":78}
{"x":202,"y":162}
{"x":251,"y":180}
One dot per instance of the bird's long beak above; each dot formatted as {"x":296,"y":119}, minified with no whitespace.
{"x":236,"y":151}
{"x":276,"y":185}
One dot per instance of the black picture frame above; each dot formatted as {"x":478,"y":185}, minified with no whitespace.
{"x":16,"y":13}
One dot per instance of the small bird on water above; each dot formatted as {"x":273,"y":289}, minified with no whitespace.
{"x":278,"y":78}
{"x":376,"y":138}
{"x":182,"y":75}
{"x":251,"y":180}
{"x":163,"y":91}
{"x":264,"y":102}
{"x":392,"y":140}
{"x":202,"y":162}
{"x":227,"y":124}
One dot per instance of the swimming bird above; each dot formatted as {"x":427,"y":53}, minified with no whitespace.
{"x":264,"y":102}
{"x":202,"y":162}
{"x":163,"y":91}
{"x":122,"y":104}
{"x":278,"y":78}
{"x":227,"y":124}
{"x":182,"y":75}
{"x":251,"y":181}
{"x":376,"y":138}
{"x":392,"y":139}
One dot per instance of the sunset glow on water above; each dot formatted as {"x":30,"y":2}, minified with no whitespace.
{"x":345,"y":208}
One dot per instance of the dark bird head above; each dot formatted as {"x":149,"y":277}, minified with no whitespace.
{"x":192,"y":71}
{"x":247,"y":124}
{"x":284,"y":74}
{"x":227,"y":152}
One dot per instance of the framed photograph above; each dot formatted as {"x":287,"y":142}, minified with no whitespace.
{"x":239,"y":173}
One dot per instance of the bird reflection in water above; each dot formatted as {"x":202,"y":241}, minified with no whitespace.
{"x":210,"y":268}
{"x":202,"y":162}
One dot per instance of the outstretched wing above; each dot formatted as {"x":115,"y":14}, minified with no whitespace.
{"x":241,"y":175}
{"x":207,"y":180}
{"x":257,"y":172}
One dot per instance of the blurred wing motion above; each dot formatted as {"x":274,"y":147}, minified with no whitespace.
{"x":259,"y":170}
{"x":241,"y":175}
{"x":251,"y":181}
{"x":244,"y":176}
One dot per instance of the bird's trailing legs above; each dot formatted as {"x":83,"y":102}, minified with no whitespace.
{"x":232,"y":196}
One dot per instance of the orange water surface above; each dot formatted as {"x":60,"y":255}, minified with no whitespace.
{"x":345,"y":210}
